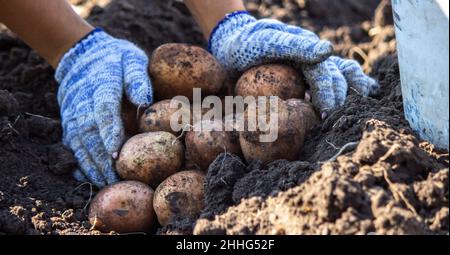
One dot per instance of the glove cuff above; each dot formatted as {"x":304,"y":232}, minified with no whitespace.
{"x":226,"y":27}
{"x":81,"y":47}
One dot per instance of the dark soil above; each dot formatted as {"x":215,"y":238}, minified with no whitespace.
{"x":390,"y":183}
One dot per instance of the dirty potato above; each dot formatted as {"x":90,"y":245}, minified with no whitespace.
{"x":123,"y":207}
{"x":271,"y":80}
{"x":180,"y":195}
{"x":176,"y":69}
{"x":290,"y":140}
{"x":310,"y":116}
{"x":150,"y":157}
{"x":157,"y":117}
{"x":204,"y":146}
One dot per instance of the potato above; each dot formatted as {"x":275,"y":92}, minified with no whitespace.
{"x":150,"y":158}
{"x":271,"y":80}
{"x":203,"y":147}
{"x":157,"y":118}
{"x":176,"y":69}
{"x":123,"y":207}
{"x":311,"y":119}
{"x":291,"y":135}
{"x":180,"y":195}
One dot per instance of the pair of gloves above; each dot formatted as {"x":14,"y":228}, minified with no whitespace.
{"x":100,"y":69}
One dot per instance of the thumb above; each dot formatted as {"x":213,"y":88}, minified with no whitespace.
{"x":138,"y":87}
{"x":320,"y":79}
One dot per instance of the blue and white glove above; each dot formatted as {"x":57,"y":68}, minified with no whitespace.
{"x":240,"y":41}
{"x":93,"y":77}
{"x":330,"y":80}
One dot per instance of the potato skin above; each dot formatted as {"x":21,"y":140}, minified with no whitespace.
{"x":271,"y":80}
{"x":178,"y":68}
{"x":291,"y":135}
{"x":310,"y":116}
{"x":180,"y":195}
{"x":203,"y":147}
{"x":157,"y":118}
{"x":123,"y":207}
{"x":150,"y":158}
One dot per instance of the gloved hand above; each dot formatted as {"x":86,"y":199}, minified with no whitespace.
{"x":240,"y":41}
{"x":93,"y":76}
{"x":330,"y":80}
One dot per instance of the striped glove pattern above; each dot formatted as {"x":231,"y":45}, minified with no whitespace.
{"x":93,"y":76}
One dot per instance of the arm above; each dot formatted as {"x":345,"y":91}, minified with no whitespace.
{"x":51,"y":36}
{"x":207,"y":20}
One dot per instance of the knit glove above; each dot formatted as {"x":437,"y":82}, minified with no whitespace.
{"x":240,"y":41}
{"x":330,"y":80}
{"x":93,"y":76}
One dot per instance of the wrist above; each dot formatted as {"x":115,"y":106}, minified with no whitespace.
{"x":209,"y":13}
{"x":226,"y":27}
{"x":78,"y":50}
{"x":69,"y":42}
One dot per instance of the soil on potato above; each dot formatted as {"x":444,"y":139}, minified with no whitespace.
{"x":387,"y":181}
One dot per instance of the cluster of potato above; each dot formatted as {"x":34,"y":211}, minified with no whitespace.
{"x":158,"y":183}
